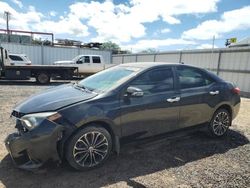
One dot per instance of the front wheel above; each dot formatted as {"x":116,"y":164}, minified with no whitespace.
{"x":43,"y":78}
{"x":220,"y":123}
{"x":89,"y":148}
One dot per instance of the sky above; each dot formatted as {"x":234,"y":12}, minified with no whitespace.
{"x":134,"y":24}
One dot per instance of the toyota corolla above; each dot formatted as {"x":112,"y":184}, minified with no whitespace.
{"x":84,"y":122}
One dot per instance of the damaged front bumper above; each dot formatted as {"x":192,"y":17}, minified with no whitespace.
{"x":33,"y":148}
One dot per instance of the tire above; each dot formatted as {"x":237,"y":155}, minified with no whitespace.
{"x":94,"y":145}
{"x":43,"y":78}
{"x":220,"y":123}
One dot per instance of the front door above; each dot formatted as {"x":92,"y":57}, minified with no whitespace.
{"x":84,"y":64}
{"x":157,"y":111}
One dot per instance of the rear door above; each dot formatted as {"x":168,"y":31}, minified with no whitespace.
{"x":157,"y":111}
{"x":97,"y":64}
{"x":195,"y":88}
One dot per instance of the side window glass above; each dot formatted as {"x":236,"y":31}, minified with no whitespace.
{"x":191,"y":77}
{"x":155,"y":81}
{"x":96,"y":59}
{"x":15,"y":58}
{"x":83,"y":59}
{"x":86,"y":59}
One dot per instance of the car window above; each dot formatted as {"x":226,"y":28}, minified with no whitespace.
{"x":190,"y":77}
{"x":83,"y":59}
{"x":15,"y":58}
{"x":96,"y":59}
{"x":86,"y":59}
{"x":155,"y":81}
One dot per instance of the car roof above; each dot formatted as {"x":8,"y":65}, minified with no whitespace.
{"x":148,"y":64}
{"x":89,"y":55}
{"x":18,"y":54}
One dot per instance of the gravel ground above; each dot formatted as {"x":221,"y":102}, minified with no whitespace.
{"x":190,"y":160}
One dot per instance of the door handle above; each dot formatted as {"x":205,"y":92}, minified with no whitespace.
{"x":214,"y":92}
{"x":174,"y":99}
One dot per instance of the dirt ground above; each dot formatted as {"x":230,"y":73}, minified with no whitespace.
{"x":190,"y":160}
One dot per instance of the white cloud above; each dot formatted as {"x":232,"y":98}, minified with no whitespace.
{"x":116,"y":22}
{"x":168,"y":9}
{"x":18,"y":3}
{"x":206,"y":46}
{"x":144,"y":44}
{"x":166,"y":30}
{"x":36,"y":21}
{"x":124,"y":22}
{"x":67,"y":25}
{"x":52,"y":13}
{"x":19,"y":20}
{"x":230,"y":21}
{"x":111,"y":22}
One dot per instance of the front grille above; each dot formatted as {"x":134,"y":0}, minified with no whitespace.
{"x":17,"y":114}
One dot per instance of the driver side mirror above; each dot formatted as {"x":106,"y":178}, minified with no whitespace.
{"x":78,"y":62}
{"x":134,"y":92}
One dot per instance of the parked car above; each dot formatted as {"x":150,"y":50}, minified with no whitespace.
{"x":84,"y":122}
{"x":87,"y":64}
{"x":19,"y":59}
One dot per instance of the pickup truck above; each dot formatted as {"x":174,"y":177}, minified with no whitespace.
{"x":42,"y":73}
{"x":87,"y":64}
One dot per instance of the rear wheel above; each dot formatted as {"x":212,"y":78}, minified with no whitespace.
{"x":43,"y":78}
{"x":220,"y":123}
{"x":89,"y":148}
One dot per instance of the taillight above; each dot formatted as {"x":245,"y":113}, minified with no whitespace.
{"x":236,"y":90}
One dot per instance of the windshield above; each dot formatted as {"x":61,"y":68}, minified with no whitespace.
{"x":108,"y":79}
{"x":76,"y":58}
{"x":26,"y":57}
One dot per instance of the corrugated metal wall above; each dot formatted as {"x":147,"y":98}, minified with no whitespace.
{"x":232,"y":64}
{"x":47,"y":55}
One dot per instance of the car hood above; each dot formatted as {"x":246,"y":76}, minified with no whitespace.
{"x":53,"y":99}
{"x":64,"y":62}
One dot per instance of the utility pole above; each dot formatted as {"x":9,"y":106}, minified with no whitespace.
{"x":7,"y":14}
{"x":213,"y":42}
{"x":212,"y":52}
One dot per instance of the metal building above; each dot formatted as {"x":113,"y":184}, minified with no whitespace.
{"x":46,"y":55}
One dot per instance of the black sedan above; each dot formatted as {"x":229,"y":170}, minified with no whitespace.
{"x":84,"y":122}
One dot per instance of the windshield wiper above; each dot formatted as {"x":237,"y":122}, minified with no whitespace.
{"x":81,"y":87}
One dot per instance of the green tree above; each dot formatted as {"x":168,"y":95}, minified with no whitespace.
{"x":110,"y":46}
{"x":149,"y":50}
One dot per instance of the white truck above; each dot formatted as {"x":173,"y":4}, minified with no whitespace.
{"x":19,"y":59}
{"x":42,"y":73}
{"x":87,"y":64}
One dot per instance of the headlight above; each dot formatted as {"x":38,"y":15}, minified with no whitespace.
{"x":30,"y":121}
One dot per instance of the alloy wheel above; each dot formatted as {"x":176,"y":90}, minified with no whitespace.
{"x":90,"y":149}
{"x":221,"y":123}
